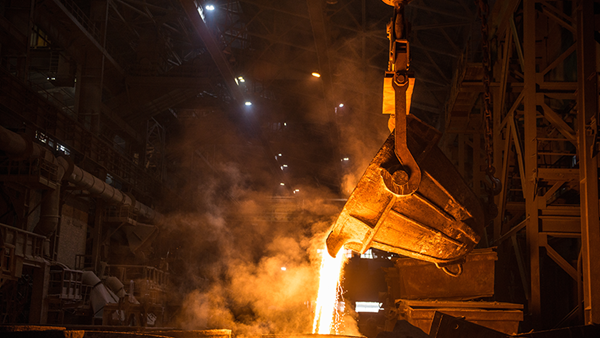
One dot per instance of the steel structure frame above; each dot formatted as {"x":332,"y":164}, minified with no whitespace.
{"x":587,"y":125}
{"x":544,"y":137}
{"x":545,"y":148}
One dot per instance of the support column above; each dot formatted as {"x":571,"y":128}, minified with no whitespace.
{"x":38,"y":311}
{"x":97,"y":235}
{"x":530,"y":157}
{"x":497,"y":157}
{"x":461,"y":154}
{"x":477,"y":162}
{"x":588,"y":160}
{"x":90,"y":76}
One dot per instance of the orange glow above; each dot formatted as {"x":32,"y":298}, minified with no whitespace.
{"x":329,"y":290}
{"x":315,"y":74}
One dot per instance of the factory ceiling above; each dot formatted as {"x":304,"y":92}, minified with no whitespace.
{"x":250,"y":61}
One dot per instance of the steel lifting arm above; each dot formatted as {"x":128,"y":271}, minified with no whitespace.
{"x":403,"y":181}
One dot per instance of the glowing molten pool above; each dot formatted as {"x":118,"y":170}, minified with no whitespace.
{"x":329,"y":289}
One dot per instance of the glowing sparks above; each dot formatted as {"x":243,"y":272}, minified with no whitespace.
{"x":326,"y":306}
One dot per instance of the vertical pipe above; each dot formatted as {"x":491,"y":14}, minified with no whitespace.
{"x":50,"y":207}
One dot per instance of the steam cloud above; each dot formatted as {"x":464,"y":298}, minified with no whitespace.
{"x":230,"y":258}
{"x":229,"y":255}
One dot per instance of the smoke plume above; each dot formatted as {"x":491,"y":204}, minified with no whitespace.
{"x":249,"y":262}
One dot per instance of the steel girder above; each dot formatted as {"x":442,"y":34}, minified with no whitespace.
{"x":538,"y":145}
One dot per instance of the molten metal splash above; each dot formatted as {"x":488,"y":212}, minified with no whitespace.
{"x":329,"y":277}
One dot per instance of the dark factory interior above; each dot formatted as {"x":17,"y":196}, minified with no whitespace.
{"x":281,"y":168}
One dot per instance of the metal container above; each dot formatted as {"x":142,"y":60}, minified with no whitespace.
{"x":309,"y":335}
{"x":415,"y":279}
{"x":502,"y":317}
{"x":217,"y":333}
{"x":440,"y":222}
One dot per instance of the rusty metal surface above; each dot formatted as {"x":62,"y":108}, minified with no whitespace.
{"x":587,"y":331}
{"x":417,"y":279}
{"x":222,"y":333}
{"x":446,"y":326}
{"x":502,"y":317}
{"x":441,"y":222}
{"x":308,"y":335}
{"x":90,"y":331}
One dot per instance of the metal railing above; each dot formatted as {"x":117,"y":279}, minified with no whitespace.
{"x":20,"y":246}
{"x":65,"y":284}
{"x":150,"y":283}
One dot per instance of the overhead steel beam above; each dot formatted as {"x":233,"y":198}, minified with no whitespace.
{"x":193,"y":13}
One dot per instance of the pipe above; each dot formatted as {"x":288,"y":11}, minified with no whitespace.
{"x":99,"y":294}
{"x":86,"y":181}
{"x":115,"y":285}
{"x":11,"y":143}
{"x":50,"y":206}
{"x":18,"y":147}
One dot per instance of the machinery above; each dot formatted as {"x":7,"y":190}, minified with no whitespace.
{"x":410,"y":200}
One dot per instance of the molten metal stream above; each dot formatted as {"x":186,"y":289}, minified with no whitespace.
{"x":329,"y":278}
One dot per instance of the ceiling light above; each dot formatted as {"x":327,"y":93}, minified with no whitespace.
{"x":341,"y":105}
{"x":248,"y":103}
{"x":241,"y":78}
{"x":283,"y":268}
{"x":278,"y":154}
{"x":281,"y":183}
{"x":210,"y":7}
{"x":315,"y":74}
